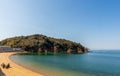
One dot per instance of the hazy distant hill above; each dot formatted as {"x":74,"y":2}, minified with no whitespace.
{"x":43,"y":44}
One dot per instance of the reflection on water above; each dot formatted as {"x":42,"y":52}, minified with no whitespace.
{"x":96,"y":63}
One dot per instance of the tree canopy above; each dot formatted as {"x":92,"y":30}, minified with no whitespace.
{"x":43,"y":44}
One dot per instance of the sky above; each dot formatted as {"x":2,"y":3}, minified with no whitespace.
{"x":93,"y":23}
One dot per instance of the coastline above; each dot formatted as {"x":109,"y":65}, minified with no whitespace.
{"x":16,"y":69}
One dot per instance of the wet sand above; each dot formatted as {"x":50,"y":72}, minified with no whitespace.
{"x":15,"y":70}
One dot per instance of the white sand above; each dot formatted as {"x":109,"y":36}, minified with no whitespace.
{"x":15,"y":70}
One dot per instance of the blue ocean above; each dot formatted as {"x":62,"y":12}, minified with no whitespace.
{"x":94,"y":63}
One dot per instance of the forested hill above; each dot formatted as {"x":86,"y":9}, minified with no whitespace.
{"x":43,"y":44}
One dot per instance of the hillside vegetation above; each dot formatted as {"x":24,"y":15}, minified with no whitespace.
{"x":43,"y":44}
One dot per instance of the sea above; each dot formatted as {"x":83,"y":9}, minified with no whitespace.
{"x":93,"y":63}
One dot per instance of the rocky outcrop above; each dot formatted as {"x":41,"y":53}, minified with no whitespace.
{"x":43,"y":44}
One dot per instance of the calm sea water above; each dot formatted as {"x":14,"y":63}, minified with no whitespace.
{"x":95,"y":63}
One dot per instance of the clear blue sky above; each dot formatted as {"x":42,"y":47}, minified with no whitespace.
{"x":93,"y":23}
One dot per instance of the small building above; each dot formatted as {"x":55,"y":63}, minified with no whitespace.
{"x":6,"y":49}
{"x":17,"y":49}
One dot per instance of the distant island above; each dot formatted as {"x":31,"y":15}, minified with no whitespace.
{"x":38,"y":43}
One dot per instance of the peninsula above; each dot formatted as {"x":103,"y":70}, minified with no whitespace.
{"x":42,"y":44}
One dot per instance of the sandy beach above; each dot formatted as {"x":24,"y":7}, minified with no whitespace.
{"x":15,"y":70}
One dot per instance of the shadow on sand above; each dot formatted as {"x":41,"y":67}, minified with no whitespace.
{"x":1,"y":73}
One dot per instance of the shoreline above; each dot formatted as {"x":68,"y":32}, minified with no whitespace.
{"x":24,"y":66}
{"x":16,"y":69}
